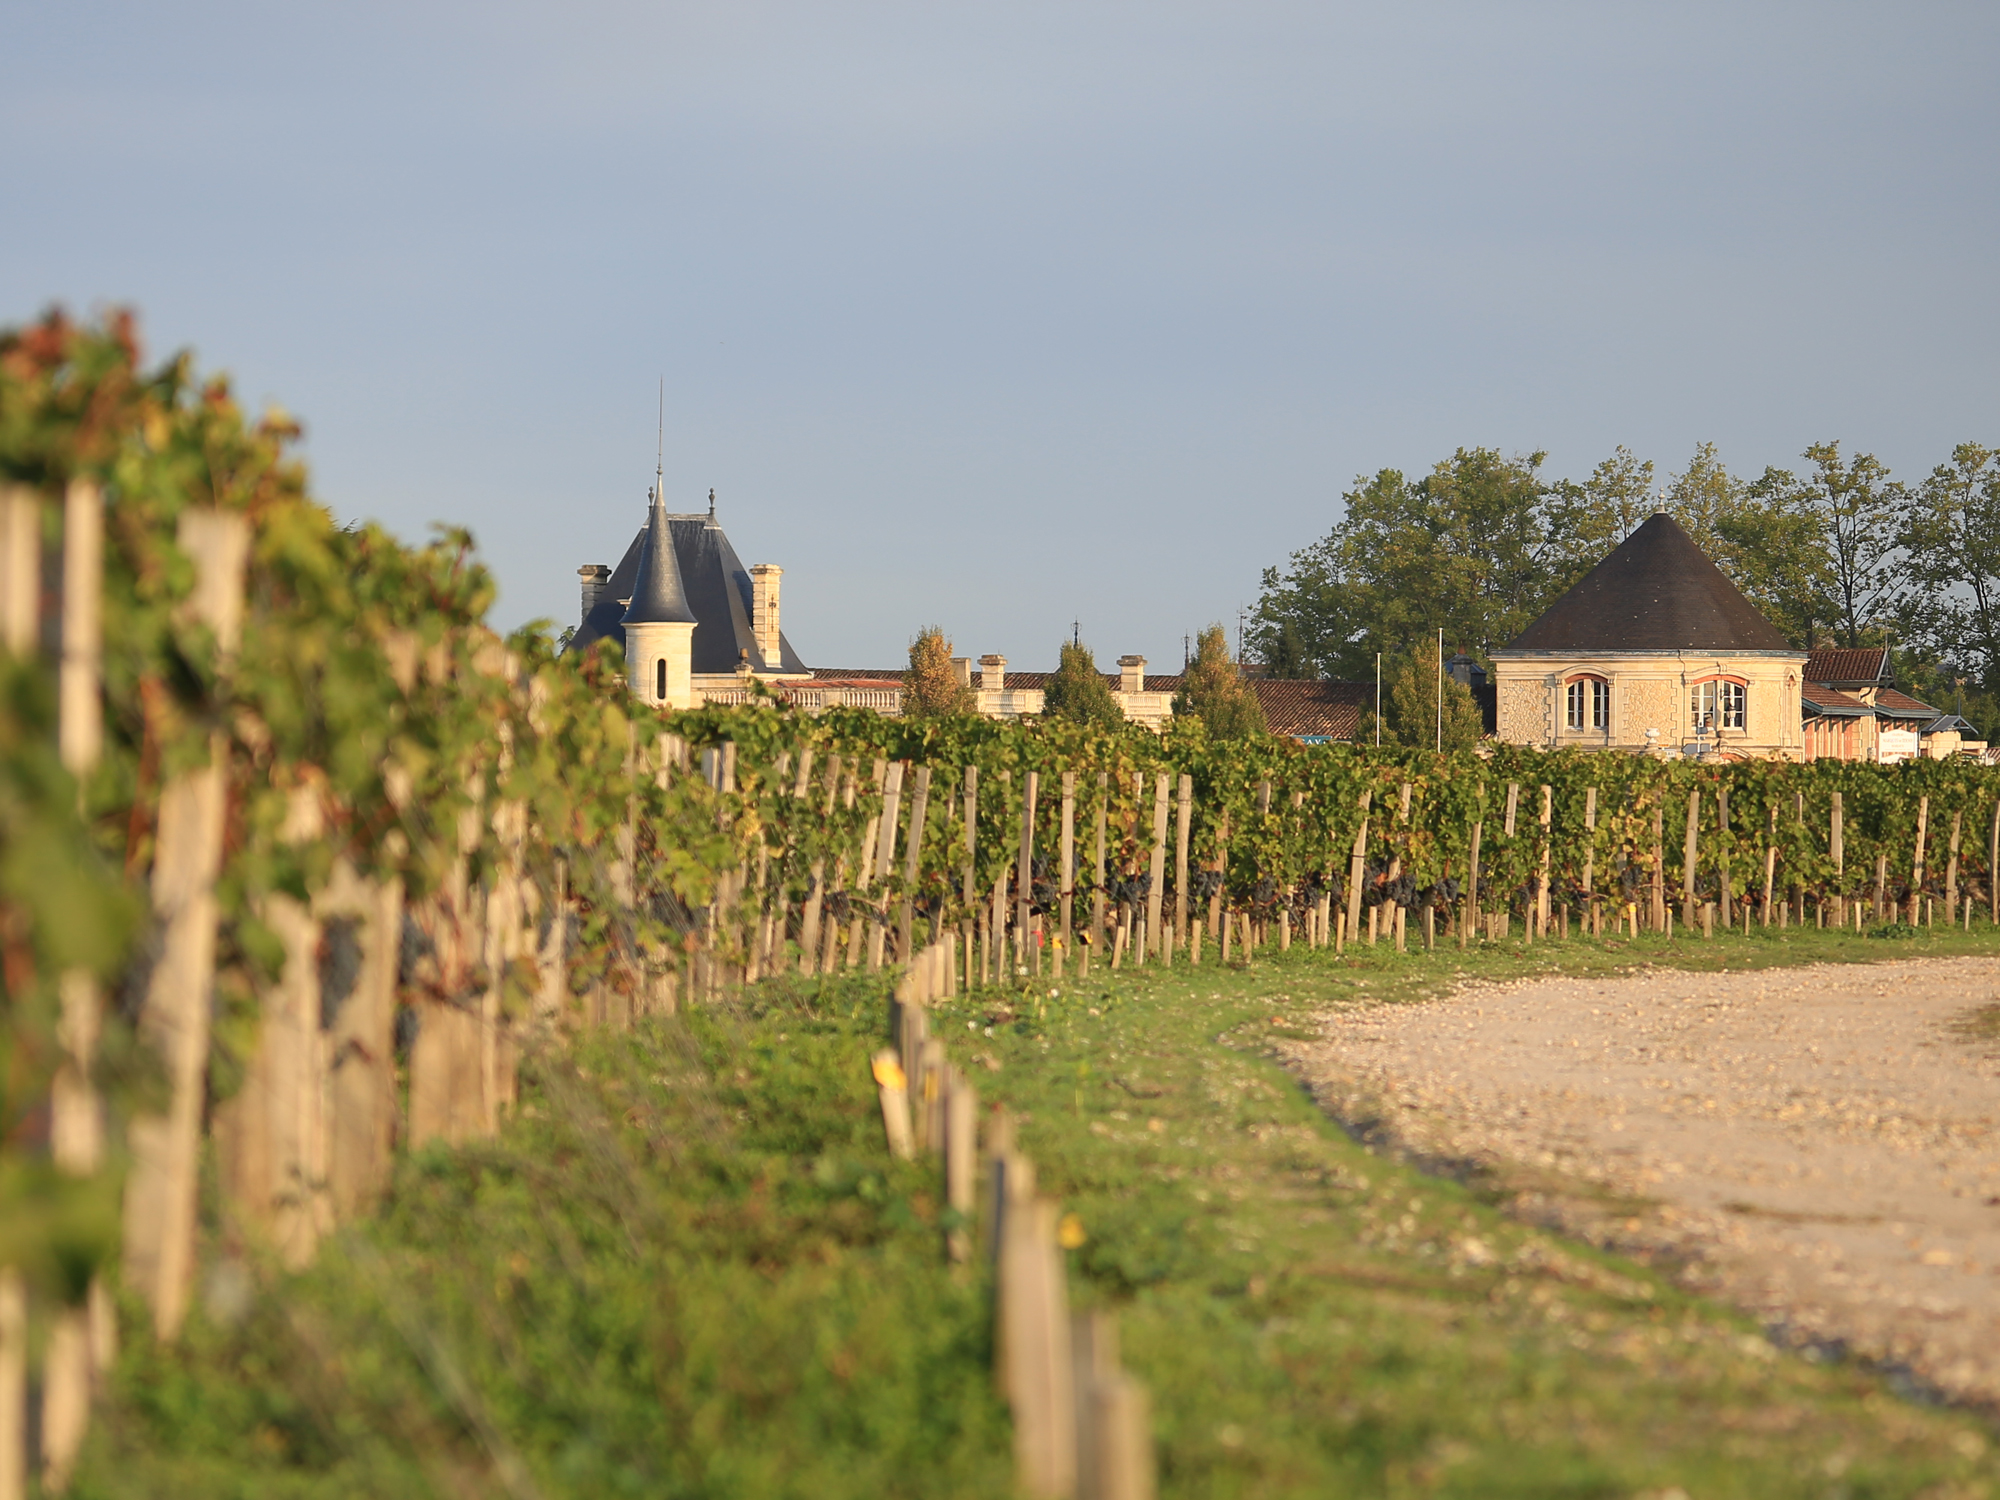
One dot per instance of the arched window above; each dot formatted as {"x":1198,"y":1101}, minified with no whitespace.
{"x":1719,"y":704}
{"x":660,"y":679}
{"x":1587,"y":703}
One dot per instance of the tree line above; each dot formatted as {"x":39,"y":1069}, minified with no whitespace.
{"x":1836,"y":552}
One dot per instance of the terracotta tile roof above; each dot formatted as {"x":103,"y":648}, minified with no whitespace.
{"x":1306,"y":708}
{"x":1826,"y":700}
{"x":1655,"y":591}
{"x":1902,"y":706}
{"x":1860,"y":667}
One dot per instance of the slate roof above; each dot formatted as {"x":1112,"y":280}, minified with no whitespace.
{"x":1656,"y":591}
{"x":715,"y":585}
{"x":1864,"y":667}
{"x":658,"y":596}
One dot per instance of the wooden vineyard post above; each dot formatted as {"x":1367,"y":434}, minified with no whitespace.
{"x":1068,"y":872}
{"x":80,"y":1339}
{"x":20,"y":568}
{"x":13,"y":1385}
{"x":912,"y":865}
{"x":885,"y":853}
{"x":159,"y":1216}
{"x":1837,"y":848}
{"x":1917,"y":861}
{"x":1183,"y":817}
{"x":1471,"y":888}
{"x":1951,"y":871}
{"x":961,"y":1161}
{"x":270,"y":1138}
{"x":1659,"y":914}
{"x":815,"y":908}
{"x":1993,"y":867}
{"x":1513,"y":801}
{"x":1881,"y":887}
{"x":1097,"y":890}
{"x":865,"y":874}
{"x":1590,"y":860}
{"x":1542,"y":879}
{"x":1722,"y":856}
{"x":830,"y":933}
{"x":1038,"y":1370}
{"x":1156,"y":897}
{"x":1356,"y":861}
{"x":1222,"y":869}
{"x":1024,"y":875}
{"x":968,"y":894}
{"x":997,"y":921}
{"x":1798,"y":896}
{"x":1770,"y":863}
{"x":1690,"y":857}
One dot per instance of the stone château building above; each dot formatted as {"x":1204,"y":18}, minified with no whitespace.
{"x":697,"y":627}
{"x":1652,"y":649}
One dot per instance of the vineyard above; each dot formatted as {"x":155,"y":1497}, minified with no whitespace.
{"x":302,"y":863}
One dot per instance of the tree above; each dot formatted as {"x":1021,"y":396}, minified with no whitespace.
{"x":1410,"y":706}
{"x":1213,"y":690}
{"x":1773,"y":547}
{"x":1587,"y":520}
{"x":1704,"y":497}
{"x":1078,"y":691}
{"x":1857,"y":511}
{"x":1470,"y":547}
{"x":931,"y":688}
{"x":1951,"y":535}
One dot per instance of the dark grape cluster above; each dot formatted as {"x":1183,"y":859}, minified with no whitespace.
{"x":339,"y":966}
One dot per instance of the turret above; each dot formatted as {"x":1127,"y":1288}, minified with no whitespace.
{"x":659,"y":625}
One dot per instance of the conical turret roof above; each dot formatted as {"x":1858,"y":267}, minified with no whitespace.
{"x":1656,"y":591}
{"x":658,"y":597}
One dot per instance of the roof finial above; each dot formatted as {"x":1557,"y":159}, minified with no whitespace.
{"x":660,"y":449}
{"x":711,"y":502}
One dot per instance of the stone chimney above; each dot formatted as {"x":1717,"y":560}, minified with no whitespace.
{"x":961,"y":668}
{"x":595,"y":576}
{"x":1131,"y":674}
{"x":992,"y":674}
{"x":764,"y":614}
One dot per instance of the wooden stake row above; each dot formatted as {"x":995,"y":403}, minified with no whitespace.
{"x":1082,"y":1426}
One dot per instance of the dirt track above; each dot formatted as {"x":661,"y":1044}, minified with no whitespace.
{"x":1817,"y":1145}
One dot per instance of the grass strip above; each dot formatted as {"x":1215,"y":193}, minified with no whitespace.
{"x":687,"y":1267}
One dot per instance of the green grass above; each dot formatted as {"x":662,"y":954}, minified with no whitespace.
{"x":688,"y":1269}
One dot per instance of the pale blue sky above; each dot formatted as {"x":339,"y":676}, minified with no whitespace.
{"x":1005,"y":315}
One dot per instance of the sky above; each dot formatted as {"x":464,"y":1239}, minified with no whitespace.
{"x":1014,"y":318}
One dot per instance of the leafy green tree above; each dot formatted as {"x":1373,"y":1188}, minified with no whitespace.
{"x":1857,"y":509}
{"x":1951,"y":535}
{"x":1213,"y":690}
{"x":1410,"y":706}
{"x":1704,"y":497}
{"x":1587,"y":520}
{"x":1078,"y":692}
{"x":1470,"y":547}
{"x":931,"y":689}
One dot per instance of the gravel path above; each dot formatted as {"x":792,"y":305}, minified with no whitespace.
{"x":1817,"y":1145}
